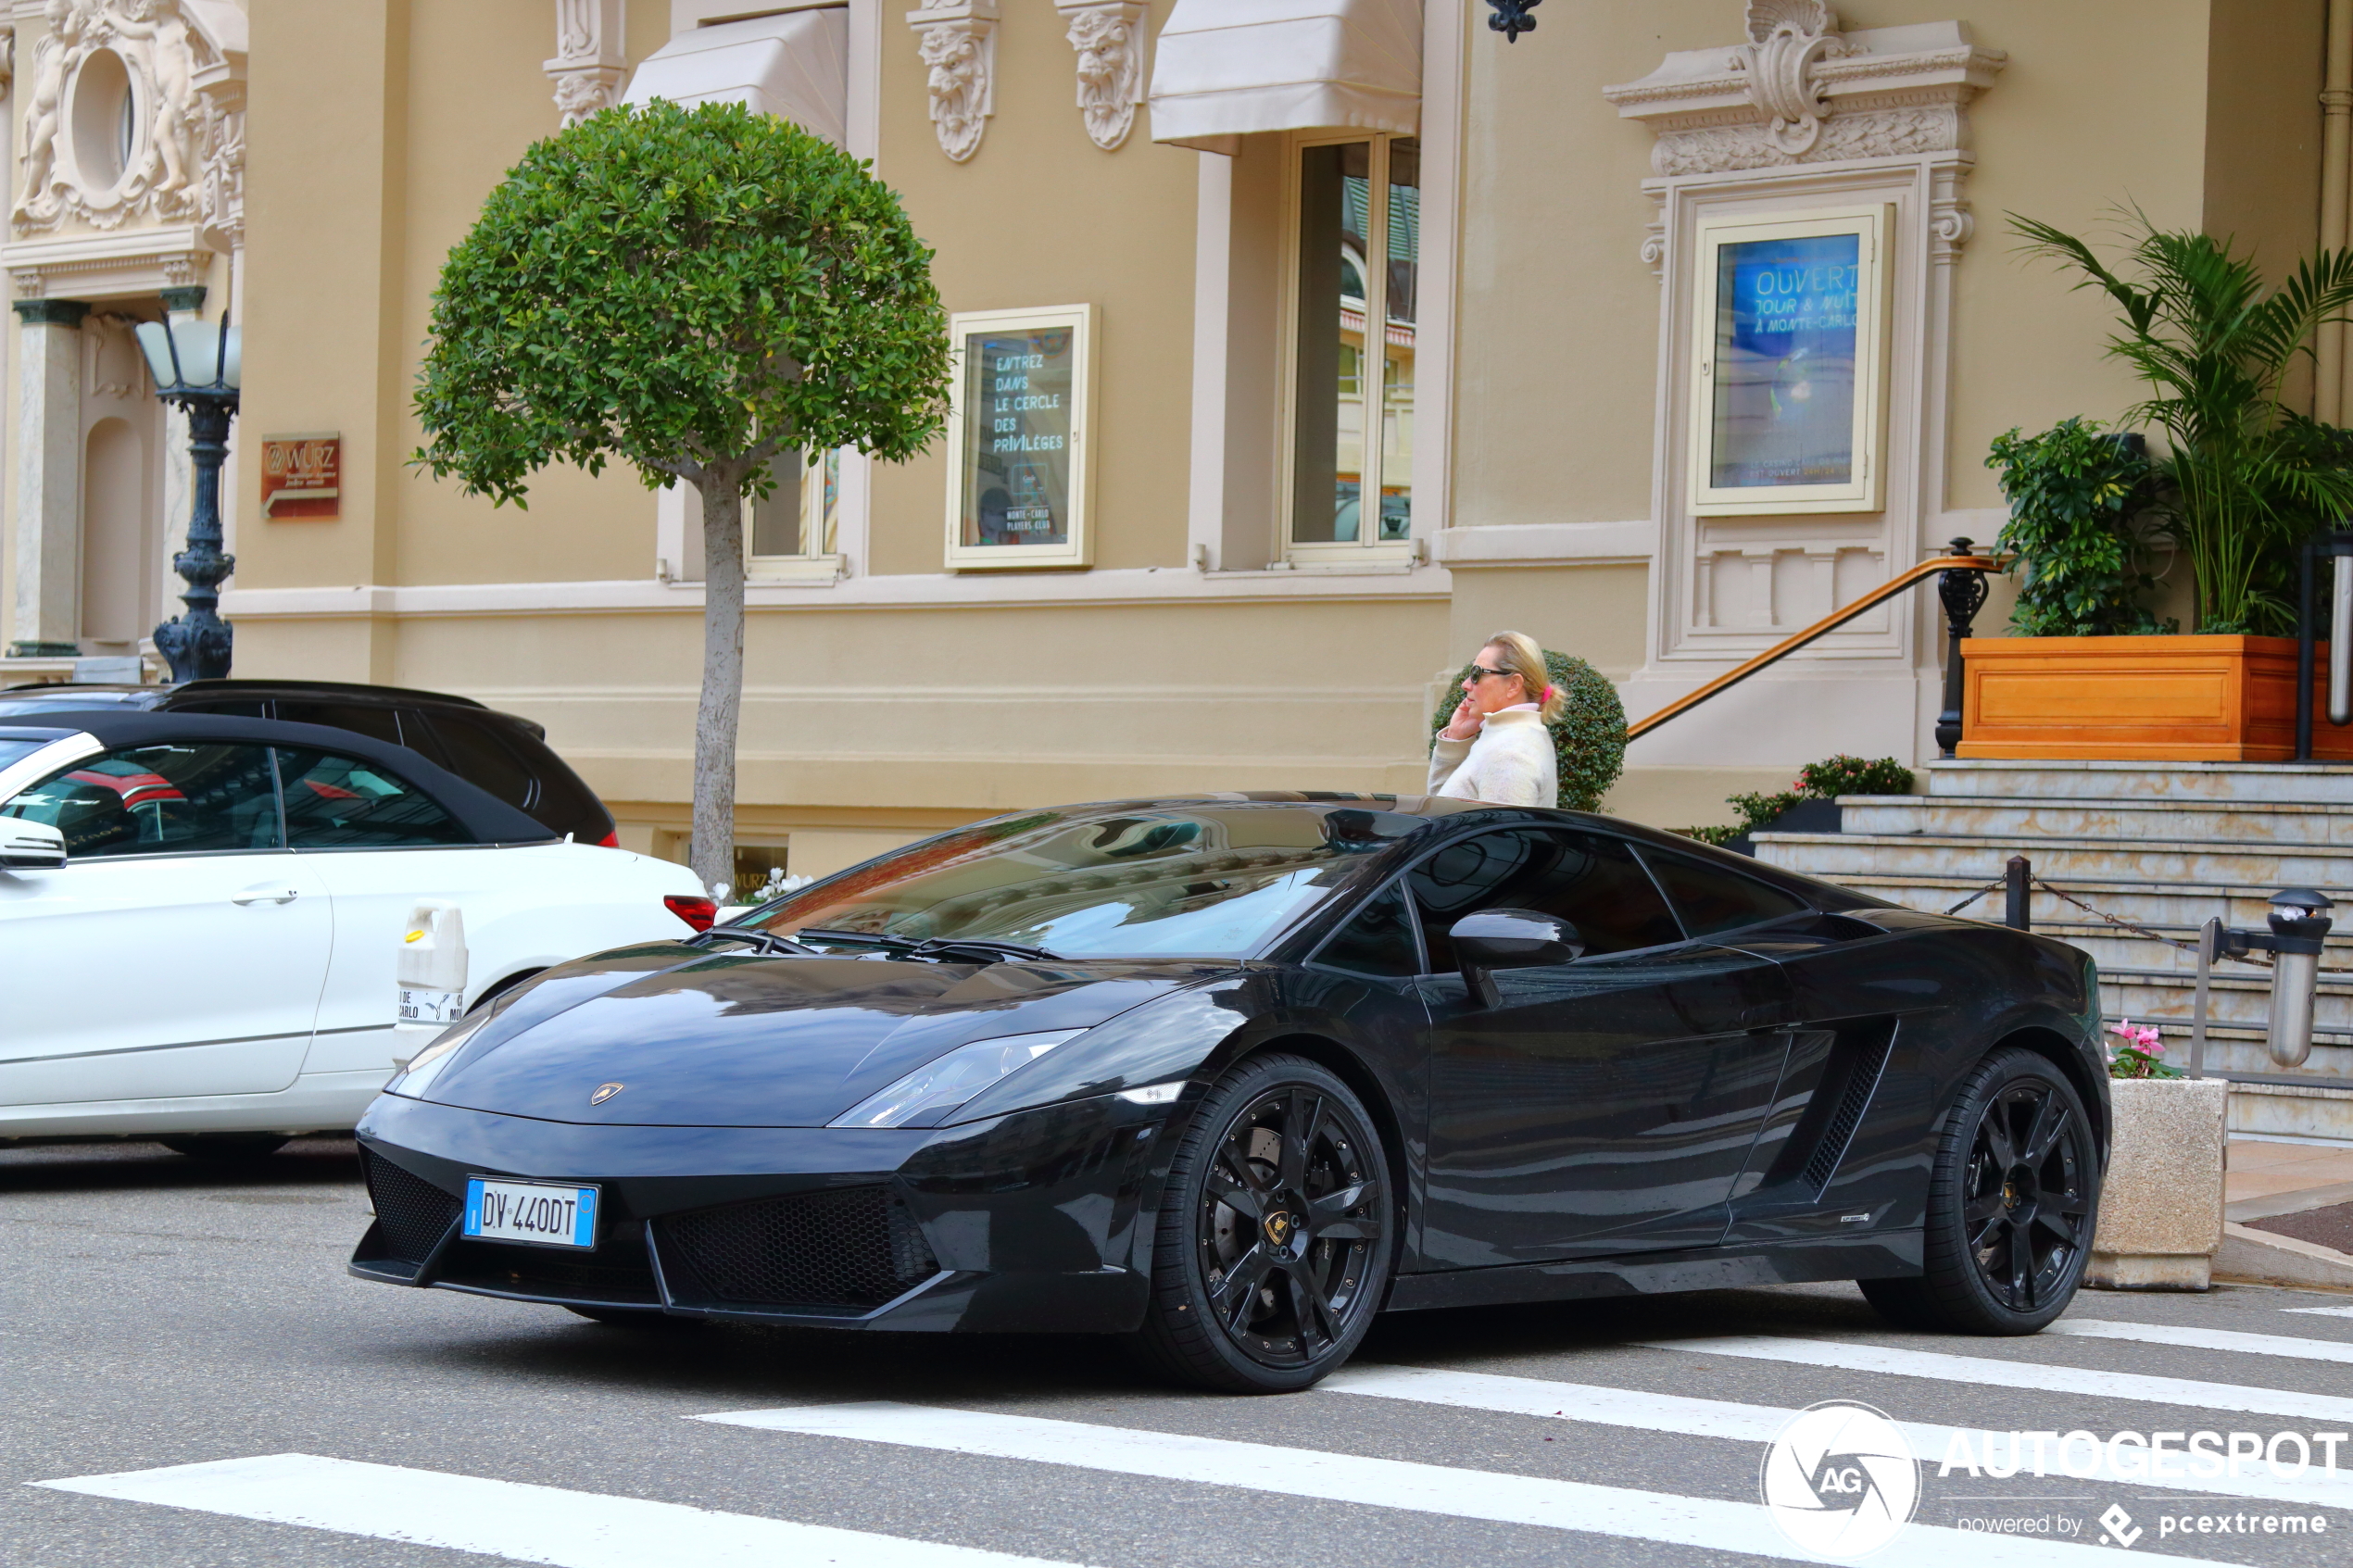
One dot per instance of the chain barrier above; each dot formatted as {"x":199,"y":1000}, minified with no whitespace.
{"x":2258,"y":961}
{"x":1973,"y":898}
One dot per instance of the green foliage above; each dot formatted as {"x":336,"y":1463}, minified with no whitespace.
{"x":2246,"y":478}
{"x":1826,"y":779}
{"x":1842,"y":774}
{"x":689,"y":291}
{"x":1588,"y":738}
{"x":2074,"y":493}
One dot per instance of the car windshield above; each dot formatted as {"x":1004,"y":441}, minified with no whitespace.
{"x":15,"y":747}
{"x":1195,"y":880}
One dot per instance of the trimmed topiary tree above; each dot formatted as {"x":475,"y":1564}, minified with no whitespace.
{"x":691,"y":291}
{"x":1588,"y":738}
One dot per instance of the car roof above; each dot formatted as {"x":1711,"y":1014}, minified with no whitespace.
{"x":483,"y":814}
{"x":241,"y":687}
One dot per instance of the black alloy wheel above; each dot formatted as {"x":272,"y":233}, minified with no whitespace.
{"x":1276,"y":1233}
{"x":2012,"y":1201}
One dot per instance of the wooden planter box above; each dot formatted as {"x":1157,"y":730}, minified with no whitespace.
{"x":2171,"y":699}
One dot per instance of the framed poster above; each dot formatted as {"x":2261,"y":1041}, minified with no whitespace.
{"x":1789,"y":330}
{"x":1019,"y":422}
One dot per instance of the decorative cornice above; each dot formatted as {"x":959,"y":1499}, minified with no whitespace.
{"x":127,"y":262}
{"x":1109,"y":36}
{"x":591,"y":67}
{"x":1800,"y":92}
{"x":51,"y":312}
{"x":959,"y":46}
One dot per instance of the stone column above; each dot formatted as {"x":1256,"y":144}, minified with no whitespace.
{"x":48,"y":608}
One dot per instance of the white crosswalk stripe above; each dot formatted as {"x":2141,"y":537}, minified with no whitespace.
{"x":2339,"y":1350}
{"x":514,"y":1519}
{"x":2322,"y":1312}
{"x":1985,"y":1372}
{"x":1642,"y":1410}
{"x":1625,"y":1512}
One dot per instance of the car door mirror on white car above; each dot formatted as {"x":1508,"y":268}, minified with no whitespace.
{"x":30,"y":845}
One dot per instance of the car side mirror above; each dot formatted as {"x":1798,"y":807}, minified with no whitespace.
{"x":1493,"y":939}
{"x":30,"y":846}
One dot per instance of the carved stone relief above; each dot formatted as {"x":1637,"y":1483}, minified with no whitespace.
{"x":136,"y":111}
{"x":959,"y":46}
{"x":1109,"y":36}
{"x":113,"y":368}
{"x":591,"y":67}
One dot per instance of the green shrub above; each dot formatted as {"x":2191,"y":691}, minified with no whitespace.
{"x":1588,"y":738}
{"x":1826,"y":779}
{"x":2074,"y":493}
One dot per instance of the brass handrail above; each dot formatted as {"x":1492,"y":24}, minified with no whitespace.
{"x":1960,"y":561}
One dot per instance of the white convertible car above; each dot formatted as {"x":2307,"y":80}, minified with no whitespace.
{"x":200,"y":918}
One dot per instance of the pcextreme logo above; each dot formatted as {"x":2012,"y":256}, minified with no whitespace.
{"x":1840,"y":1480}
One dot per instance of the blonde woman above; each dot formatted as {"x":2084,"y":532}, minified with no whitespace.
{"x":1496,"y":748}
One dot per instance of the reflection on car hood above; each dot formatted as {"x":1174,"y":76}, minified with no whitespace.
{"x":750,"y":1041}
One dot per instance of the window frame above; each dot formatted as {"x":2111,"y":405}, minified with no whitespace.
{"x":102,"y":751}
{"x":1078,"y":549}
{"x":1633,"y":848}
{"x":1873,"y":223}
{"x":807,"y":566}
{"x":1644,"y":852}
{"x":1368,"y":547}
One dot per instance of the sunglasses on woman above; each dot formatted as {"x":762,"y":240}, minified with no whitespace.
{"x":1480,"y":672}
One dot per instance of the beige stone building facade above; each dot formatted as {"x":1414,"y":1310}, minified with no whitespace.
{"x":1373,"y":333}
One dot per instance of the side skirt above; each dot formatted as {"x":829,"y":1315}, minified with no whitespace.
{"x":1884,"y":1255}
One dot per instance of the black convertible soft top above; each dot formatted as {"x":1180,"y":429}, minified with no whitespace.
{"x":488,"y":819}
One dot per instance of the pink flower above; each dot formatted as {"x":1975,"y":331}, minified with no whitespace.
{"x":2147,"y":1041}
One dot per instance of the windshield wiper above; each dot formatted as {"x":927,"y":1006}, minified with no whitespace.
{"x":766,"y":942}
{"x":988,"y":948}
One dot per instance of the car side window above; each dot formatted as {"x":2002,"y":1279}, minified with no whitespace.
{"x":1591,"y":881}
{"x":359,"y":718}
{"x":1378,"y":940}
{"x":159,"y":800}
{"x":340,"y":803}
{"x":1712,"y":899}
{"x":480,"y":757}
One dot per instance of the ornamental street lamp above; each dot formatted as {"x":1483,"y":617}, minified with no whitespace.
{"x":196,"y":365}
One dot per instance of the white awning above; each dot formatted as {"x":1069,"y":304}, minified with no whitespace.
{"x":795,"y":66}
{"x":1228,"y":68}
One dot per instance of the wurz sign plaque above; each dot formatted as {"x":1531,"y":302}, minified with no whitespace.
{"x":302,"y":477}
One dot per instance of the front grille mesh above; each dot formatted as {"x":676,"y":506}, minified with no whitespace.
{"x":851,"y":1247}
{"x":412,"y":1213}
{"x":616,"y":1270}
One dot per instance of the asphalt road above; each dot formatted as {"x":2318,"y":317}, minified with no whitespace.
{"x":163,"y":1314}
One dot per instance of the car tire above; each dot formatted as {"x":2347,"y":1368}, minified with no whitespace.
{"x":2012,"y":1201}
{"x":1275,"y":1236}
{"x":227,"y":1148}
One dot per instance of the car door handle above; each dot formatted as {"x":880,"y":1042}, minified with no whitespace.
{"x":266,"y":893}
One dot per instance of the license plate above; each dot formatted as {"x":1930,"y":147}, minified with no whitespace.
{"x":543,"y":1213}
{"x":430,"y":1007}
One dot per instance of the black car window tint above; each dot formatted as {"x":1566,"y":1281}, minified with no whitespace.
{"x":418,"y":734}
{"x":1593,"y":882}
{"x":1711,"y":900}
{"x":339,"y":803}
{"x":359,"y":718}
{"x":158,"y":800}
{"x":244,"y":707}
{"x":1378,"y":940}
{"x":480,"y":757}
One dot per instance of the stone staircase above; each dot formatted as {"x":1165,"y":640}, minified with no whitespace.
{"x":2162,"y":845}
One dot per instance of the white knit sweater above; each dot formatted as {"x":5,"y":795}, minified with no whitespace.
{"x":1509,"y":762}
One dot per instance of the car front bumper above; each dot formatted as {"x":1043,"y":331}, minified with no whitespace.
{"x":1037,"y":1222}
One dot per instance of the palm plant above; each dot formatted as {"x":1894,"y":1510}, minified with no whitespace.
{"x":2246,"y":478}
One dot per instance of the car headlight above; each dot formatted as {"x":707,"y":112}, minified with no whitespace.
{"x":423,"y":1067}
{"x":930,"y":1094}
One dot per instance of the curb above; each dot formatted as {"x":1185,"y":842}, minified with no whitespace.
{"x":2250,"y":1256}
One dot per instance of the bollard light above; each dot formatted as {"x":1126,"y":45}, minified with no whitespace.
{"x":2298,"y":928}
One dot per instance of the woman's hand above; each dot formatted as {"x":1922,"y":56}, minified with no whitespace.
{"x":1465,"y":724}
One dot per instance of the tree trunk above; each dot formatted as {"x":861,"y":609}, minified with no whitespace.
{"x":714,"y":856}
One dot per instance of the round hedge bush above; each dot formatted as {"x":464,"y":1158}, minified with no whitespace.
{"x":1588,"y":738}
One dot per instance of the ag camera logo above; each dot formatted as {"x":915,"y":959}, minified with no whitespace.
{"x":1840,"y":1480}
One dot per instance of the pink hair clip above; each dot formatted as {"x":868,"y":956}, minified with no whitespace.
{"x":1548,"y":694}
